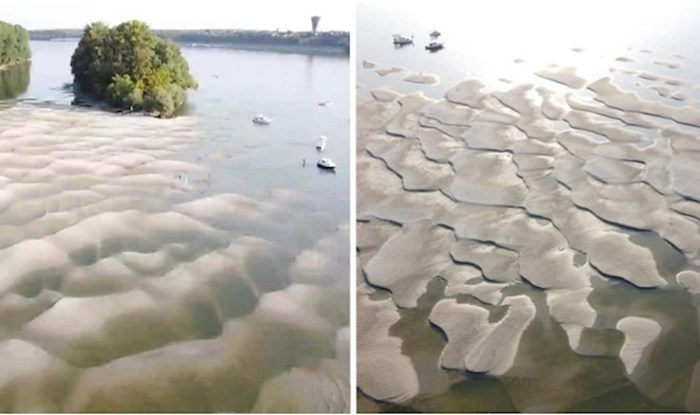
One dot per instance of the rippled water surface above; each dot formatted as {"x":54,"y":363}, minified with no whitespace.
{"x":528,"y":207}
{"x":191,"y":264}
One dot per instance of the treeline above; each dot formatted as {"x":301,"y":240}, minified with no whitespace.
{"x":14,"y":44}
{"x":333,"y":42}
{"x":131,"y":68}
{"x":330,"y":40}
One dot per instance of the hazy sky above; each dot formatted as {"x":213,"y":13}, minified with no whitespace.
{"x":181,"y":14}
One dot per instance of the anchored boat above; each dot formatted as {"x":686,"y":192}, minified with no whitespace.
{"x":326,"y":163}
{"x":400,"y":40}
{"x":433,"y":46}
{"x":261,"y":119}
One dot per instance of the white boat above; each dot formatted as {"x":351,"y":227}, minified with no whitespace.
{"x":321,"y":143}
{"x":434,"y":33}
{"x":261,"y":119}
{"x":401,"y":40}
{"x":326,"y":163}
{"x":324,"y":103}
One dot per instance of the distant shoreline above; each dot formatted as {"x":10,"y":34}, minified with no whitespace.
{"x":336,"y":43}
{"x":296,"y":50}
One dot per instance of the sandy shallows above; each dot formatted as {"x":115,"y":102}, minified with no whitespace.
{"x":536,"y":242}
{"x":129,"y":284}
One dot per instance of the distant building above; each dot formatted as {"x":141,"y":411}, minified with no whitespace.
{"x":314,"y":23}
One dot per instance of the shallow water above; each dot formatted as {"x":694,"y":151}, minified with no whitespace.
{"x":521,"y":38}
{"x":547,"y":215}
{"x":189,"y":264}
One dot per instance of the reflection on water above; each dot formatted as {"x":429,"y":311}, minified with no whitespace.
{"x":529,"y":225}
{"x":142,"y":271}
{"x":14,"y":80}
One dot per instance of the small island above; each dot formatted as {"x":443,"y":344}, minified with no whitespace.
{"x":130,"y":68}
{"x":14,"y":45}
{"x":15,"y":56}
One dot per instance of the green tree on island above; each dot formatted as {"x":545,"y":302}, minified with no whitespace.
{"x":14,"y":81}
{"x":14,"y":45}
{"x":129,"y":67}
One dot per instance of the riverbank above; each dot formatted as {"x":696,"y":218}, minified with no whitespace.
{"x":307,"y":43}
{"x":285,"y":49}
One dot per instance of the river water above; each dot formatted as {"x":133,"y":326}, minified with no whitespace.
{"x":193,"y":264}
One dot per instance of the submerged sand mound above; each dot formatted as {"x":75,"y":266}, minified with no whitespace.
{"x":487,"y":177}
{"x":31,"y":379}
{"x":388,"y":71}
{"x":382,"y":371}
{"x":407,"y":262}
{"x":474,"y":343}
{"x":566,"y":76}
{"x":421,"y":78}
{"x":298,"y":390}
{"x":385,"y":95}
{"x":639,"y":335}
{"x":690,"y":280}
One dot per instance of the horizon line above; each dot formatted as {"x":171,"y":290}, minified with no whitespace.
{"x":207,"y":28}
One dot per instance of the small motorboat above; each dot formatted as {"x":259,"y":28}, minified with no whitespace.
{"x":434,"y":33}
{"x":400,"y":40}
{"x":321,"y":143}
{"x":324,"y":103}
{"x":434,"y":46}
{"x":261,"y":119}
{"x":326,"y":163}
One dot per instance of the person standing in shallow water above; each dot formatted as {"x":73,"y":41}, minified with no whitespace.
{"x":303,"y":162}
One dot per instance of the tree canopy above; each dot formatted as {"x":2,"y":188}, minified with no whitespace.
{"x":14,"y":44}
{"x":129,"y":67}
{"x":14,"y":81}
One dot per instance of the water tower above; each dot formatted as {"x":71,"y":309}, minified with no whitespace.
{"x":314,"y":22}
